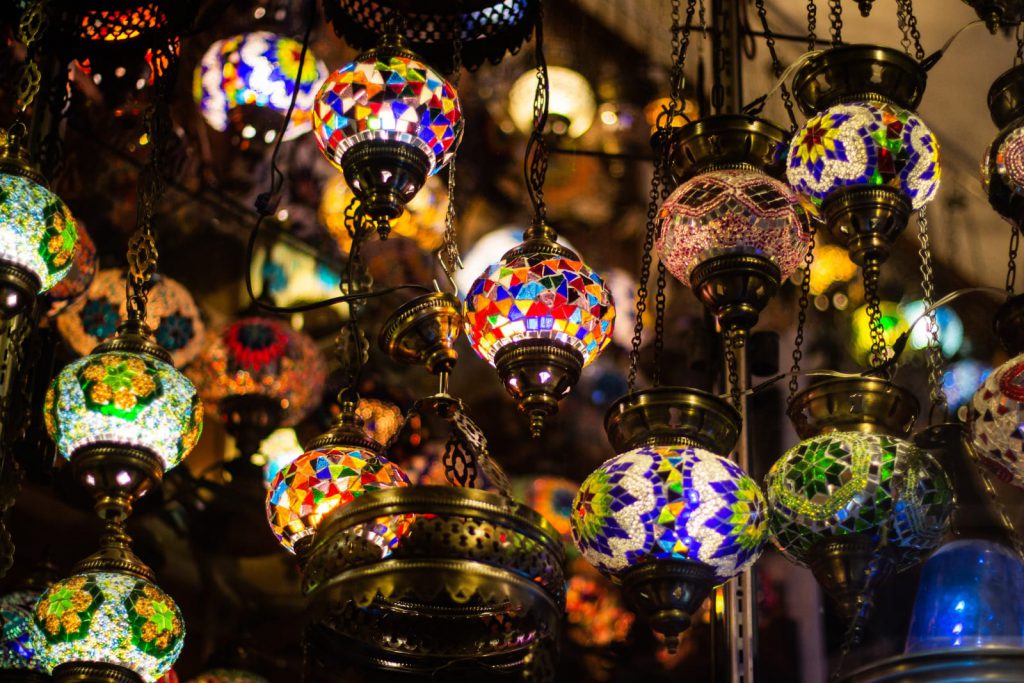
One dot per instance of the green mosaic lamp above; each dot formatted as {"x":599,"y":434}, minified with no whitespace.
{"x":856,"y":494}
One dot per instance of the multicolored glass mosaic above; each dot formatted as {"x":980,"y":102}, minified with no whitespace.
{"x":228,"y":676}
{"x":84,"y":265}
{"x":1009,"y":164}
{"x":845,"y":482}
{"x":539,"y":296}
{"x":388,"y":97}
{"x":39,"y":233}
{"x":321,"y":480}
{"x":595,"y":612}
{"x":17,"y":646}
{"x":552,"y":497}
{"x":293,"y":276}
{"x":260,"y":69}
{"x":731,"y":211}
{"x":109,"y":617}
{"x":423,"y":219}
{"x":263,"y":356}
{"x":863,"y":144}
{"x":124,"y":398}
{"x":115,"y":25}
{"x":670,"y":503}
{"x":996,"y":422}
{"x":171,"y":314}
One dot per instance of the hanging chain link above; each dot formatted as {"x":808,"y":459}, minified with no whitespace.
{"x":906,"y":20}
{"x":33,"y":24}
{"x":732,"y":367}
{"x":659,"y":315}
{"x":448,"y":255}
{"x":933,"y":353}
{"x":835,"y":17}
{"x":777,"y":68}
{"x":812,"y":24}
{"x":1018,"y":57}
{"x":872,"y":271}
{"x":535,"y":161}
{"x":801,"y":320}
{"x":1011,"y":261}
{"x":901,"y":23}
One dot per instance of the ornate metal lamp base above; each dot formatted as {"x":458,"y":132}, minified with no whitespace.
{"x":116,"y":475}
{"x":18,"y":289}
{"x":736,"y":288}
{"x":672,"y":416}
{"x":856,"y":404}
{"x":727,"y":140}
{"x":666,"y":593}
{"x":866,"y":220}
{"x":537,"y":373}
{"x":250,"y":418}
{"x":424,"y":332}
{"x":385,"y":175}
{"x":94,"y":672}
{"x":996,"y":665}
{"x":859,"y":72}
{"x":840,"y":565}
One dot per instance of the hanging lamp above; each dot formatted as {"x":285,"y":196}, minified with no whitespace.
{"x":669,"y":517}
{"x":1002,"y":169}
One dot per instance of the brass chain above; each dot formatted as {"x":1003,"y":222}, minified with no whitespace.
{"x":33,"y":24}
{"x":915,"y":33}
{"x":933,"y":353}
{"x":804,"y":302}
{"x":659,"y":316}
{"x":449,"y":252}
{"x":903,"y":25}
{"x":653,"y":201}
{"x":835,"y":17}
{"x":872,"y":271}
{"x":1011,"y":261}
{"x":777,"y":68}
{"x":1018,"y":56}
{"x":812,"y":23}
{"x":731,"y":342}
{"x":535,"y":161}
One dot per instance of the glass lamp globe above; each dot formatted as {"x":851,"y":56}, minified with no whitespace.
{"x":423,"y":220}
{"x":18,"y":649}
{"x":171,"y":314}
{"x":38,"y":240}
{"x":228,"y":676}
{"x":670,"y":503}
{"x":276,"y":452}
{"x":322,"y":479}
{"x":124,"y":400}
{"x":107,"y":617}
{"x":488,"y":249}
{"x":539,"y":315}
{"x":257,"y":373}
{"x":865,"y":144}
{"x":84,"y":266}
{"x":995,"y":422}
{"x":731,"y":211}
{"x":842,"y":483}
{"x":246,"y":73}
{"x":964,"y":598}
{"x":571,"y":102}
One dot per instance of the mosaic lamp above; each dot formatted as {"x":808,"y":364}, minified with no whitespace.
{"x":539,"y":315}
{"x":1002,"y":169}
{"x":84,"y":265}
{"x":863,"y":158}
{"x":171,"y":315}
{"x":996,"y":411}
{"x":731,"y":231}
{"x":19,"y":658}
{"x":337,"y":467}
{"x":853,"y":479}
{"x":552,"y":497}
{"x":123,"y":415}
{"x":39,"y":236}
{"x":668,"y":517}
{"x":388,"y":121}
{"x":245,"y":83}
{"x":258,"y":374}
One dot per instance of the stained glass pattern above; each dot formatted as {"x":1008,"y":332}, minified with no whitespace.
{"x":171,"y":314}
{"x":539,"y":296}
{"x":996,"y":422}
{"x":1009,"y":164}
{"x":109,"y":617}
{"x":259,"y":69}
{"x":117,"y":25}
{"x":18,"y":647}
{"x":79,"y":277}
{"x":124,"y":398}
{"x":865,"y":144}
{"x":843,"y":483}
{"x":319,"y":481}
{"x":388,"y":97}
{"x":40,"y":234}
{"x":731,"y":211}
{"x":262,"y":356}
{"x":673,"y":503}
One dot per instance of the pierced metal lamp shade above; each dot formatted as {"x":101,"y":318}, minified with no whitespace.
{"x":258,"y":69}
{"x":111,"y":618}
{"x":171,"y":314}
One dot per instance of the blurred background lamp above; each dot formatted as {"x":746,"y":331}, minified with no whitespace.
{"x":571,"y":102}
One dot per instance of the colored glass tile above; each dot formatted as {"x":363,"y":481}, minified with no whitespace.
{"x":1009,"y":162}
{"x":39,"y":233}
{"x":84,"y":265}
{"x":18,"y":649}
{"x":996,"y":422}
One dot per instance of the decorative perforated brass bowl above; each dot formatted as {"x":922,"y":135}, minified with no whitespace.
{"x":471,"y":575}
